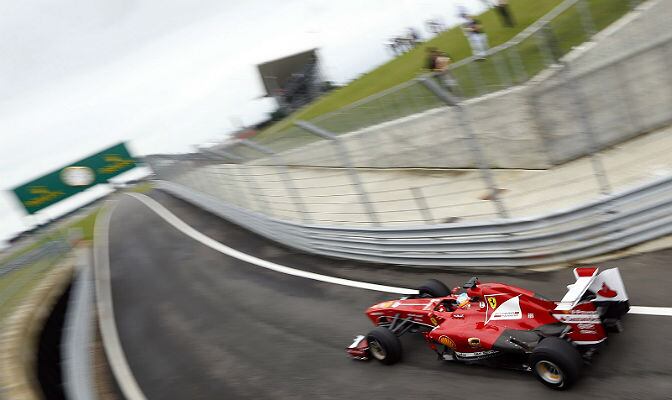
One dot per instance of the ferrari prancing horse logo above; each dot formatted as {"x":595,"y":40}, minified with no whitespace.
{"x":492,"y":301}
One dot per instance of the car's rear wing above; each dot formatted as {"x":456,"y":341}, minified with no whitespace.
{"x":607,"y":286}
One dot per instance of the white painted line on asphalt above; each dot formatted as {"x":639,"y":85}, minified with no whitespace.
{"x":215,"y":245}
{"x":664,"y":311}
{"x":183,"y":227}
{"x":108,"y":326}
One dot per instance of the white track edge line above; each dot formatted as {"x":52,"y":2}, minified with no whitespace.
{"x":188,"y":230}
{"x":222,"y":248}
{"x":662,"y":311}
{"x":107,"y":324}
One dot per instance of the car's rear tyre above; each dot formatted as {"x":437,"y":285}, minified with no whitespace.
{"x":556,"y":363}
{"x":433,"y":288}
{"x":384,"y":345}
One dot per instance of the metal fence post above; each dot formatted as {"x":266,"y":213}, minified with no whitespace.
{"x":197,"y":180}
{"x":421,"y":201}
{"x":585,"y":125}
{"x":243,"y":197}
{"x":552,"y":42}
{"x":627,"y":109}
{"x":476,"y":77}
{"x":226,"y":192}
{"x":517,"y":62}
{"x":354,"y":176}
{"x":545,"y":47}
{"x":474,"y":146}
{"x":501,"y":69}
{"x":286,"y":177}
{"x":586,"y":18}
{"x":172,"y":171}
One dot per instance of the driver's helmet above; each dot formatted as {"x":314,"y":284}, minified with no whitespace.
{"x":462,"y":300}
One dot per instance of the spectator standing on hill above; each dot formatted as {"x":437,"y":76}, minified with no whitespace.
{"x":476,"y":36}
{"x":438,"y":62}
{"x":502,"y":8}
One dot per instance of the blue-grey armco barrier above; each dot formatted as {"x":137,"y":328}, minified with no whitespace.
{"x":611,"y":223}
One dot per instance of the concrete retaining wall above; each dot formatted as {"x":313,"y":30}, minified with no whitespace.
{"x":503,"y":122}
{"x":619,"y":100}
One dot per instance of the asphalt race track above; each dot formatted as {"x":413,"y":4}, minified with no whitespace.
{"x":197,"y":324}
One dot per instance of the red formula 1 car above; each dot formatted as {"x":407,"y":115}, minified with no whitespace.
{"x":503,"y":325}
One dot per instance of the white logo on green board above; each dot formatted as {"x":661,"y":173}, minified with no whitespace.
{"x":78,"y":176}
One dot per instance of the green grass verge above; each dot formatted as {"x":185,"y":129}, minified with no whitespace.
{"x":143,"y":187}
{"x":86,"y":224}
{"x":16,"y":284}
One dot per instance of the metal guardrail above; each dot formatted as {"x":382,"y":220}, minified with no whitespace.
{"x":611,"y":223}
{"x":79,"y":330}
{"x":54,"y":247}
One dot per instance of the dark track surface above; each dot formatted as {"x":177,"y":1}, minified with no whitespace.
{"x":196,"y":324}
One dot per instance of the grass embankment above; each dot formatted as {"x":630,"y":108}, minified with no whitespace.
{"x":16,"y":284}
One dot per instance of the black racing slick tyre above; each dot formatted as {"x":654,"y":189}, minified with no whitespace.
{"x":433,"y":288}
{"x":556,"y":363}
{"x":384,"y":345}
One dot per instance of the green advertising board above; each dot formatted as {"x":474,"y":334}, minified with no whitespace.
{"x":74,"y":178}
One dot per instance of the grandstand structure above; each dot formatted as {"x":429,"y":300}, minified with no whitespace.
{"x":293,"y":81}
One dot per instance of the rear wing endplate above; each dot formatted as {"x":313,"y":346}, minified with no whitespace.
{"x":607,"y":286}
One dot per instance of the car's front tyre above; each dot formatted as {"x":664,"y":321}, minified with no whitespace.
{"x":384,"y":345}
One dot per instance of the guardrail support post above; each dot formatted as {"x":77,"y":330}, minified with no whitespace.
{"x":354,"y":176}
{"x":473,"y":144}
{"x":286,"y":177}
{"x":420,"y":200}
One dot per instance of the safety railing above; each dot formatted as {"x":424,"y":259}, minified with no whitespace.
{"x":614,"y":222}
